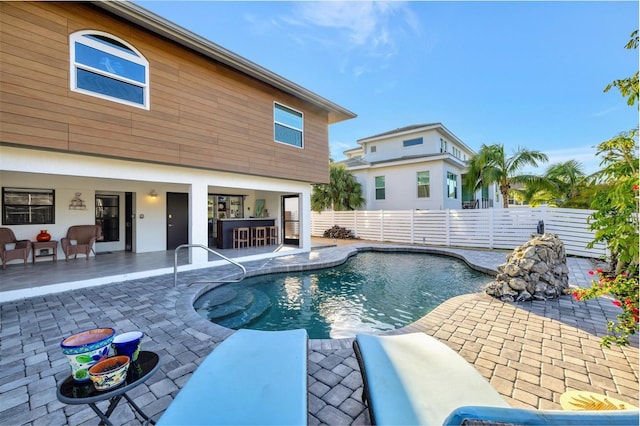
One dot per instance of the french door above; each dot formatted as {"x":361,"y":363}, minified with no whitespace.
{"x":291,"y":219}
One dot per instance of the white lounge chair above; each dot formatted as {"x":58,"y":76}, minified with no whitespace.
{"x":251,"y":378}
{"x":413,"y":379}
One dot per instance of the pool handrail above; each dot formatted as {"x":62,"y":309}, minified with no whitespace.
{"x":175,"y":265}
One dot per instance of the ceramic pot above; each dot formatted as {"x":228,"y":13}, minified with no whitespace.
{"x":109,"y":372}
{"x":85,"y":349}
{"x":128,"y":344}
{"x":43,"y":236}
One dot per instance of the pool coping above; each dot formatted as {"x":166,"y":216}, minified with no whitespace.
{"x":336,"y":255}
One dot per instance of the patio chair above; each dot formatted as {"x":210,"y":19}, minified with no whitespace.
{"x":80,"y":240}
{"x":415,"y":379}
{"x":251,"y":378}
{"x":12,"y":249}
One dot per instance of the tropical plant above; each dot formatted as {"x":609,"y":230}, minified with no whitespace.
{"x":628,"y":87}
{"x":491,"y":165}
{"x":560,"y":183}
{"x":624,"y":289}
{"x":616,"y":221}
{"x":343,"y":192}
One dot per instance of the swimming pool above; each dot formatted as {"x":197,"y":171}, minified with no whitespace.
{"x":371,"y":292}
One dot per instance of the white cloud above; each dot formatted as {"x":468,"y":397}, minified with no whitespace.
{"x":366,"y":31}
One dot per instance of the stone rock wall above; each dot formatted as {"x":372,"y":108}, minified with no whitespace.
{"x":536,"y":270}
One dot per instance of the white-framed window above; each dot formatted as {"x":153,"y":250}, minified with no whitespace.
{"x":443,"y":145}
{"x":372,"y":149}
{"x":456,"y":152}
{"x":424,"y":191}
{"x":452,"y":185}
{"x":107,"y":67}
{"x":380,"y":189}
{"x":288,"y":125}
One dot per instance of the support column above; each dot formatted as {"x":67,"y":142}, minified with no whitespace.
{"x":198,"y":225}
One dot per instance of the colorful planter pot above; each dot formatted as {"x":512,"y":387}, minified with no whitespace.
{"x":86,"y":348}
{"x":128,"y":344}
{"x":109,"y":372}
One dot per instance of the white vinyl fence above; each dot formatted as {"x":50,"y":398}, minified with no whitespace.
{"x":482,"y":228}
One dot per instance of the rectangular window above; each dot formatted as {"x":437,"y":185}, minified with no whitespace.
{"x":412,"y":142}
{"x":373,"y":149}
{"x":21,"y":206}
{"x":452,"y":185}
{"x":443,"y":145}
{"x":288,"y":125}
{"x":380,"y":191}
{"x":423,"y":185}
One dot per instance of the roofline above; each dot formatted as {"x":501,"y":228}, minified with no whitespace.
{"x":401,"y":132}
{"x":138,"y":15}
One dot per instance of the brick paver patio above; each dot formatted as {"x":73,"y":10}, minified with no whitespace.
{"x":530,"y":352}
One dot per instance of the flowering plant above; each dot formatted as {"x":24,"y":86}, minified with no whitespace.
{"x":624,"y":288}
{"x":616,"y":223}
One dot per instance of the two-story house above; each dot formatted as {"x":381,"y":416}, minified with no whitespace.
{"x":113,"y":115}
{"x":415,"y":167}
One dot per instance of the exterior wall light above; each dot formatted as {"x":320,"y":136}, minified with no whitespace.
{"x":153,"y":194}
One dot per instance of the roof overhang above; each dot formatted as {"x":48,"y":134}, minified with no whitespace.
{"x":413,"y":130}
{"x":150,"y":21}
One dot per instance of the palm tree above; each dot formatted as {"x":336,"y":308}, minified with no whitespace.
{"x":491,"y":165}
{"x":343,"y":192}
{"x":561,"y":183}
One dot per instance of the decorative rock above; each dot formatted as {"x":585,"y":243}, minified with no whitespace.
{"x":536,"y":270}
{"x":339,"y":233}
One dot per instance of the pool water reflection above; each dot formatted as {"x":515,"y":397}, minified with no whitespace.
{"x":371,"y":292}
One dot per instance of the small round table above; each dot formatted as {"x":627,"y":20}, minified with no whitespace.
{"x":72,"y":392}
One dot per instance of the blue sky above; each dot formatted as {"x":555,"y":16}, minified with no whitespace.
{"x":527,"y":74}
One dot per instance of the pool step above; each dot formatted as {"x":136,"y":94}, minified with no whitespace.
{"x":242,"y":301}
{"x":215,"y":297}
{"x":259,"y":306}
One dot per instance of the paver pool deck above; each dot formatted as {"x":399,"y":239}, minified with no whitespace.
{"x":531,"y":352}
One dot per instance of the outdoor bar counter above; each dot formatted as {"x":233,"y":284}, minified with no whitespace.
{"x":225,"y":228}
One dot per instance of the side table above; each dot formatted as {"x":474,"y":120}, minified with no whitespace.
{"x":38,"y":246}
{"x":72,"y":392}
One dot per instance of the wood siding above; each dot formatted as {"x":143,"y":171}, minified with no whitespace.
{"x":202,"y":113}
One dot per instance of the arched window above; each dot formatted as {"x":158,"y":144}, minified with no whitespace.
{"x":104,"y":66}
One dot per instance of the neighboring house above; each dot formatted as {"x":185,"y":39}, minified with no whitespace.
{"x":113,"y":115}
{"x":415,"y":167}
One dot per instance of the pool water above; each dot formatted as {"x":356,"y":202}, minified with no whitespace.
{"x":371,"y":292}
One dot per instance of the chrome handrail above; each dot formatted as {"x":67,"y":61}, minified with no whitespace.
{"x":175,"y":265}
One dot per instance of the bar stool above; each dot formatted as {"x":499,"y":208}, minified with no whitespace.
{"x":259,"y":236}
{"x":240,"y":236}
{"x":273,"y":235}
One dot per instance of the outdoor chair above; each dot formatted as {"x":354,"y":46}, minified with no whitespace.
{"x":415,"y":379}
{"x":80,"y":240}
{"x":12,"y":249}
{"x":251,"y":378}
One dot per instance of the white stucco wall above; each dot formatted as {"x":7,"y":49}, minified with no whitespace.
{"x":68,"y":174}
{"x":401,"y":186}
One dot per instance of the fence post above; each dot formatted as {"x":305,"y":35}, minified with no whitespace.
{"x":413,"y":215}
{"x":448,"y":227}
{"x":492,"y":217}
{"x":355,"y":222}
